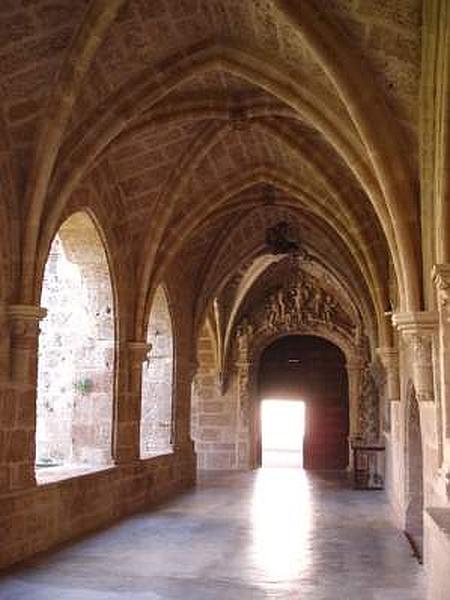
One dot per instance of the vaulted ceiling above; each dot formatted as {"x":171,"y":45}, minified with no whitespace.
{"x":193,"y":125}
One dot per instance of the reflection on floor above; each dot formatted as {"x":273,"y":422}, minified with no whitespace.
{"x":272,"y":533}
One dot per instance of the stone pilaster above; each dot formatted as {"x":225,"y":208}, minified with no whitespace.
{"x":441,"y":280}
{"x":246,"y":413}
{"x":355,"y":371}
{"x":127,"y":448}
{"x":24,"y":331}
{"x":389,"y":359}
{"x":4,"y":344}
{"x":182,"y":441}
{"x":18,"y":397}
{"x":418,"y":331}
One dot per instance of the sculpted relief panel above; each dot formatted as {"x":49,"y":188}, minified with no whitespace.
{"x":306,"y":305}
{"x":300,"y":304}
{"x":368,"y":410}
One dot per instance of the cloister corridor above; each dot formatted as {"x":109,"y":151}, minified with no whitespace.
{"x":270,"y":533}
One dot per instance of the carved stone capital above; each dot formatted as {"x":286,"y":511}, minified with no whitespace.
{"x":389,"y":359}
{"x":26,"y":312}
{"x":243,"y":364}
{"x":418,"y":330}
{"x":192,"y":369}
{"x":24,"y":320}
{"x":441,"y":279}
{"x":355,"y":364}
{"x":4,"y":321}
{"x":423,"y":322}
{"x":139,"y":351}
{"x":24,"y":333}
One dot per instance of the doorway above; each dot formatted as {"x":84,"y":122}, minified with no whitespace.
{"x":311,"y":369}
{"x":282,"y":431}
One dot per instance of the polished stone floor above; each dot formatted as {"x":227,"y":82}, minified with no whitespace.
{"x":272,"y":533}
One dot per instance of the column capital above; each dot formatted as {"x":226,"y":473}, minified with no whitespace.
{"x":139,"y":351}
{"x":193,"y":366}
{"x":243,"y":363}
{"x":390,"y":360}
{"x":440,"y":275}
{"x":388,"y":355}
{"x":441,"y":279}
{"x":416,"y":322}
{"x":355,"y":364}
{"x":26,"y":312}
{"x":418,"y":330}
{"x":24,"y":330}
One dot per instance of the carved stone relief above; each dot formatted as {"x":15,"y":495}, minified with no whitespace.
{"x":369,"y":406}
{"x":301,"y":303}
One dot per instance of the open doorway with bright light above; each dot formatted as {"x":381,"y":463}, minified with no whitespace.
{"x":283,"y":430}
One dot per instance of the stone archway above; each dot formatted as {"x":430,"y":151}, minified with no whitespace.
{"x":414,"y":473}
{"x":311,"y":369}
{"x":75,"y":393}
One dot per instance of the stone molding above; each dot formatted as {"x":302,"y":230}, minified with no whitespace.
{"x":418,"y":330}
{"x":441,"y":280}
{"x":416,"y":322}
{"x":26,"y":312}
{"x":389,"y":358}
{"x":139,"y":351}
{"x":23,"y":321}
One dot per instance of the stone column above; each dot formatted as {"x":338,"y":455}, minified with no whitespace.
{"x":391,"y":393}
{"x":441,"y":279}
{"x":18,"y":422}
{"x":355,"y":370}
{"x":24,"y":331}
{"x":246,"y":417}
{"x":418,"y":330}
{"x":182,"y":441}
{"x":127,"y":448}
{"x":4,"y":344}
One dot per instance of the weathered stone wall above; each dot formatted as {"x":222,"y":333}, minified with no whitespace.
{"x":17,"y":433}
{"x":37,"y":518}
{"x":157,"y":381}
{"x":216,"y":417}
{"x":413,"y":457}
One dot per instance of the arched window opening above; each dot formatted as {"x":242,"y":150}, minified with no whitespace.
{"x":157,"y":381}
{"x":76,"y":354}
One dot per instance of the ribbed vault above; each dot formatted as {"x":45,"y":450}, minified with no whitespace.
{"x":177,"y":116}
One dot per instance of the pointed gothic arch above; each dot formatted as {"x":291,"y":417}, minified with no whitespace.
{"x":156,"y":436}
{"x":75,"y":399}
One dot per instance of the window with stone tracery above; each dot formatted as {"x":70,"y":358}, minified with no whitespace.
{"x":157,"y":381}
{"x":76,"y":352}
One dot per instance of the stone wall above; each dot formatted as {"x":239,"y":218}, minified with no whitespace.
{"x":157,"y":381}
{"x":225,"y":422}
{"x":216,"y":418}
{"x":37,"y":518}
